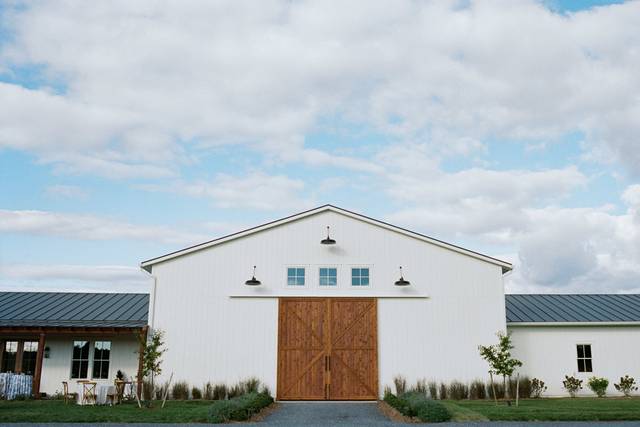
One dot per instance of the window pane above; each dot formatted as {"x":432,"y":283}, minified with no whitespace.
{"x":291,"y":281}
{"x":355,"y":272}
{"x":587,"y":365}
{"x":29,"y":356}
{"x":580,"y":365}
{"x":332,"y":281}
{"x":355,"y":281}
{"x":333,"y":272}
{"x":300,"y":272}
{"x":323,"y":281}
{"x":364,"y":272}
{"x":587,"y":351}
{"x":9,"y":356}
{"x":75,"y":369}
{"x":84,"y":366}
{"x":323,"y":272}
{"x":291,"y":272}
{"x":580,"y":350}
{"x":364,"y":281}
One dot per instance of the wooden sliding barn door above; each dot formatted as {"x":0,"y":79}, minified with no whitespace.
{"x":327,"y":349}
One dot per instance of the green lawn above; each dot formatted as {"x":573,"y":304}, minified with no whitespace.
{"x":563,"y":409}
{"x":56,"y":411}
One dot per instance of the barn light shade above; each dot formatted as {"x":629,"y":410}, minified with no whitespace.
{"x":402,"y":281}
{"x":328,"y":240}
{"x":253,"y":281}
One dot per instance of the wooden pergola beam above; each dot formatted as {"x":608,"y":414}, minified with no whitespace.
{"x":38,"y":373}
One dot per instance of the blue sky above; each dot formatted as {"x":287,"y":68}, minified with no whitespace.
{"x":507,"y":127}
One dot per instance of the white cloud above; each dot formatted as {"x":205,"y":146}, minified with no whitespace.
{"x":255,"y":191}
{"x":88,"y":227}
{"x":140,"y":80}
{"x":60,"y":191}
{"x":79,"y":278}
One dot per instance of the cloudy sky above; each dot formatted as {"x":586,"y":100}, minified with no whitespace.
{"x":130,"y":129}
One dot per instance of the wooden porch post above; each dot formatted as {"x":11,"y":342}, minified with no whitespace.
{"x":143,"y":341}
{"x":38,"y":373}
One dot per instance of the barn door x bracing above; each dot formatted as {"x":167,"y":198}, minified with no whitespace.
{"x":327,"y":349}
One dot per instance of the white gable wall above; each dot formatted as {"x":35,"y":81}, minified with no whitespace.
{"x":218,"y":329}
{"x":549,"y":353}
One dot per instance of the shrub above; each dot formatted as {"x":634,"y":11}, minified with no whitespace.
{"x":627,"y":385}
{"x":433,"y":389}
{"x":196,"y":393}
{"x":458,"y":391}
{"x":537,"y":388}
{"x":444,"y":392}
{"x":239,"y":408}
{"x":415,"y":404}
{"x":208,"y":391}
{"x":572,"y":385}
{"x":499,"y":387}
{"x":180,"y":390}
{"x":401,"y":385}
{"x":477,"y":390}
{"x":524,"y":387}
{"x":219,"y":392}
{"x":598,"y":385}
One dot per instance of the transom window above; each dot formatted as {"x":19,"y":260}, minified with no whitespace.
{"x":80,"y":359}
{"x":101,"y":353}
{"x":328,"y":276}
{"x":360,"y":277}
{"x":584,"y":358}
{"x":295,"y":276}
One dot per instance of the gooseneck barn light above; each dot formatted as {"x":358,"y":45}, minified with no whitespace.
{"x":402,"y":281}
{"x":328,"y":240}
{"x":253,"y":281}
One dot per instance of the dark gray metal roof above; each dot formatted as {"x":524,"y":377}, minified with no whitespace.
{"x":65,"y":309}
{"x":541,"y":308}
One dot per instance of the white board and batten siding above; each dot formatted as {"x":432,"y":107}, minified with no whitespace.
{"x":549,"y":353}
{"x":220,"y":330}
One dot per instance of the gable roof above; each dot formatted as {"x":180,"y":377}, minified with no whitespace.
{"x":66,"y":309}
{"x":573,"y":308}
{"x":147,"y":265}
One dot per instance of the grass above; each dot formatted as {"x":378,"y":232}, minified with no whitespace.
{"x":462,"y":414}
{"x":561,"y":409}
{"x":191,"y":411}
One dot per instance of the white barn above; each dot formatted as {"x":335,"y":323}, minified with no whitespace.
{"x":330,"y":315}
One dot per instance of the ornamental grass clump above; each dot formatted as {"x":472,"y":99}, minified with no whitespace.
{"x":444,"y":391}
{"x":251,"y":385}
{"x":239,"y":408}
{"x":572,"y":385}
{"x":537,"y":388}
{"x":219,"y":392}
{"x":458,"y":390}
{"x":433,"y":389}
{"x":421,"y":387}
{"x":627,"y":385}
{"x":401,"y":385}
{"x":523,"y":386}
{"x":414,"y":404}
{"x":196,"y":393}
{"x":477,"y":390}
{"x":598,"y":385}
{"x":180,"y":390}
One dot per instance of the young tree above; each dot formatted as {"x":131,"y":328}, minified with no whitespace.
{"x":498,"y":356}
{"x":152,"y":351}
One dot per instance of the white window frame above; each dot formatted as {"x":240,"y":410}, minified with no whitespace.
{"x":286,"y":276}
{"x":350,"y":272}
{"x":89,"y":360}
{"x":337,"y":285}
{"x":576,"y":358}
{"x":109,"y":360}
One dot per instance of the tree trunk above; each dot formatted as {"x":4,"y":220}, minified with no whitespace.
{"x":517,"y":388}
{"x":493,"y":388}
{"x":506,"y":390}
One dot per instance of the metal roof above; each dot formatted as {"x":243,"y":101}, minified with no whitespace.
{"x":574,"y":308}
{"x":65,"y":309}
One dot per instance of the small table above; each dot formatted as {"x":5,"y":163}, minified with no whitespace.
{"x":103,"y":392}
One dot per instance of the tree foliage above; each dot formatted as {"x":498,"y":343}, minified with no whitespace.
{"x":499,"y":358}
